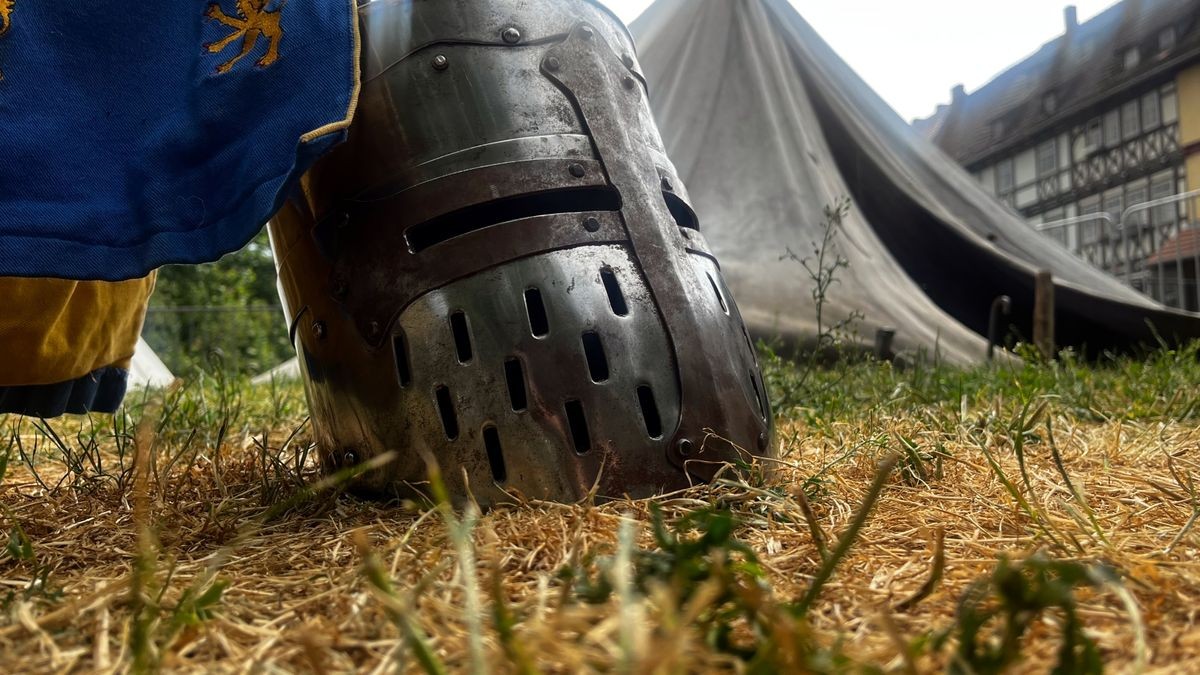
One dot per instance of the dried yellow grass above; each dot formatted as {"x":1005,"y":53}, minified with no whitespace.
{"x":298,"y":600}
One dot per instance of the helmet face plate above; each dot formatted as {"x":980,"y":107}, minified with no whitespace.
{"x":501,"y":271}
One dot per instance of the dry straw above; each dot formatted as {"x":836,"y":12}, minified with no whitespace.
{"x":202,"y":576}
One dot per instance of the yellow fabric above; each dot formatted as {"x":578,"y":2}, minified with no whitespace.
{"x":54,"y":330}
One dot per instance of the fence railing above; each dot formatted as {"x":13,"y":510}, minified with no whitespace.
{"x":1154,"y":246}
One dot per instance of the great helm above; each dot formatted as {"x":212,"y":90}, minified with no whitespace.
{"x":501,"y":270}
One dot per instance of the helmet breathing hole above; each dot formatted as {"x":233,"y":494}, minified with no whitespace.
{"x":514,"y":375}
{"x":762,"y":408}
{"x":539,"y":323}
{"x":597,"y":361}
{"x":403,"y":369}
{"x":717,"y":292}
{"x":616,"y":298}
{"x":683,"y":214}
{"x":577,"y":421}
{"x":491,"y":443}
{"x":445,"y":408}
{"x":462,"y":336}
{"x":650,"y":414}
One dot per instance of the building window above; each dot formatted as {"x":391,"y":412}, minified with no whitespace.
{"x":1112,"y":129}
{"x":1050,"y":103}
{"x":1166,"y":39}
{"x":1114,"y":204}
{"x":1047,"y":158}
{"x":1004,"y":177}
{"x":1090,"y":228}
{"x":1135,"y":194}
{"x":1095,"y":135}
{"x":1170,"y":109}
{"x":1130,"y":125}
{"x":1162,"y":185}
{"x":1132,"y":58}
{"x":1151,"y":113}
{"x":1058,"y":232}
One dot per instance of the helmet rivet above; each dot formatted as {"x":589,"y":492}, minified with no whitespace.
{"x":319,"y":330}
{"x":374,"y":329}
{"x":762,"y":441}
{"x":591,"y":224}
{"x":627,"y":60}
{"x":587,"y":32}
{"x":666,"y":184}
{"x":511,"y":35}
{"x":629,"y":83}
{"x":684,"y":446}
{"x":552,"y":64}
{"x":440,"y":62}
{"x":577,"y":170}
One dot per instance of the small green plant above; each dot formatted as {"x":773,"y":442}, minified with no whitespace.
{"x":822,"y":268}
{"x":699,"y":560}
{"x":996,"y":613}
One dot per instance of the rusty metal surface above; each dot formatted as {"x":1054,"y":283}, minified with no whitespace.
{"x":469,"y":182}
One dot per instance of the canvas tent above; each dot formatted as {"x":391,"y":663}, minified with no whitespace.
{"x":285,"y":372}
{"x":768,"y":126}
{"x":146,"y":370}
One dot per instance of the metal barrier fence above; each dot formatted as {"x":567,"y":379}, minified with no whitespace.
{"x":1153,"y":247}
{"x":246,"y":340}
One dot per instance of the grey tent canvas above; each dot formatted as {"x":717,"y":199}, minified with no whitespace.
{"x":768,"y":126}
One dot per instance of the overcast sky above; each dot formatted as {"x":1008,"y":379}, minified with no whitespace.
{"x":914,"y":51}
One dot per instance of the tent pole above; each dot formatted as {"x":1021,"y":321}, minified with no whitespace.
{"x":1043,"y":313}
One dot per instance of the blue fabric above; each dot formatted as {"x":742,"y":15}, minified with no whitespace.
{"x":100,"y":391}
{"x":125,"y":143}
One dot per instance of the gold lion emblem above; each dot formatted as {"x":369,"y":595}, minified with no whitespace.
{"x":253,"y":20}
{"x":6,"y":10}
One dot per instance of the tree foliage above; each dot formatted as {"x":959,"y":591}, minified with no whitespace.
{"x":220,"y":315}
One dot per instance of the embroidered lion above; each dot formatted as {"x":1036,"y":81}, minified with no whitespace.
{"x":6,"y":10}
{"x":253,"y":20}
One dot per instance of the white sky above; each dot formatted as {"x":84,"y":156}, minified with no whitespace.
{"x":914,"y":51}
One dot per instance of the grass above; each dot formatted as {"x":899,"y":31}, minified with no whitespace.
{"x":1015,"y":518}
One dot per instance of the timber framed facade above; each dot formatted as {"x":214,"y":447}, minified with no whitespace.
{"x":1100,"y":129}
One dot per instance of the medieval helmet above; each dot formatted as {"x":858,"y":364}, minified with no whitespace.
{"x":501,"y":270}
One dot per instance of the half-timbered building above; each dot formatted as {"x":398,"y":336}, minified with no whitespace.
{"x":1095,"y":137}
